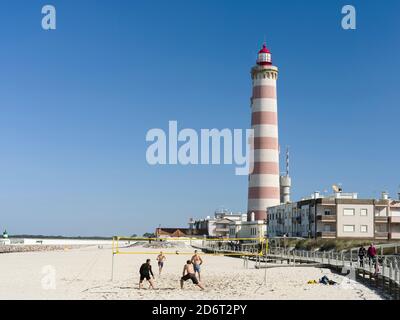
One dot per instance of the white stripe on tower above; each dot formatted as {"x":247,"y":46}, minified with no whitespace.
{"x":264,"y":188}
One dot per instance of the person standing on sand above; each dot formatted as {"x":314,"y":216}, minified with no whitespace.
{"x":197,"y":262}
{"x":145,"y":272}
{"x":189,"y":273}
{"x":160,"y":259}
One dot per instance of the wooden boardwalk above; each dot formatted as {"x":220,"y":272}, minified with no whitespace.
{"x":386,"y":279}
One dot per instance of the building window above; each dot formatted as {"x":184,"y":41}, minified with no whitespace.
{"x":327,"y":212}
{"x":363,"y":228}
{"x":364,"y":212}
{"x":348,"y":228}
{"x":380,"y":213}
{"x":348,"y":212}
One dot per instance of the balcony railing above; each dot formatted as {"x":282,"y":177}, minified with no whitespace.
{"x":326,"y":234}
{"x":326,"y":218}
{"x":379,"y":219}
{"x":221,"y":229}
{"x":381,"y":235}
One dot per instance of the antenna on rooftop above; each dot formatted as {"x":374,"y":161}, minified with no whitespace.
{"x":287,"y":161}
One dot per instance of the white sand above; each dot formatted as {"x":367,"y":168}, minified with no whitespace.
{"x":85,"y":274}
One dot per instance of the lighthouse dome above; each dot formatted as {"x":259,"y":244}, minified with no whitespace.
{"x":264,"y":56}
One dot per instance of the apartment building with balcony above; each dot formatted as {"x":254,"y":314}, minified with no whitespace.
{"x":219,"y":225}
{"x":248,"y":229}
{"x":387,"y":220}
{"x":340,"y":216}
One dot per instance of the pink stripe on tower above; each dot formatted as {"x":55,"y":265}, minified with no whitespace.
{"x":264,"y":117}
{"x":264,"y":188}
{"x":267,"y":167}
{"x":264,"y":193}
{"x":258,"y":213}
{"x":264,"y":91}
{"x":266,"y":143}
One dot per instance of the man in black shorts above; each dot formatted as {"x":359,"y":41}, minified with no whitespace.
{"x":145,"y":272}
{"x":188,"y":273}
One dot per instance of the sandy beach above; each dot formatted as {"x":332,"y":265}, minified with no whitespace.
{"x":85,"y":273}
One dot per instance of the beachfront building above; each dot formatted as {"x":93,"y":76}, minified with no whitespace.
{"x":339,"y":216}
{"x":226,"y":224}
{"x":247,"y":229}
{"x":394,"y":220}
{"x":162,"y":232}
{"x":217,"y":226}
{"x":172,"y":232}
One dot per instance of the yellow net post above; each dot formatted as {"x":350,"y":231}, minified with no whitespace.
{"x":265,"y":260}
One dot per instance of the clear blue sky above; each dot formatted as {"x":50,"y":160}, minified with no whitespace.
{"x":76,"y":104}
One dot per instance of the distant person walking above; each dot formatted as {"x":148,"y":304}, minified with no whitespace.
{"x":145,"y":272}
{"x":362,"y":252}
{"x":160,"y":259}
{"x":189,"y":273}
{"x":197,"y":262}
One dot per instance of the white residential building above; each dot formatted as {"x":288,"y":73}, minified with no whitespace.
{"x":340,"y":216}
{"x":219,"y":225}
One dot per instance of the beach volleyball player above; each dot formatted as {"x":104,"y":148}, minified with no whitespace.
{"x":160,"y":259}
{"x":189,"y":273}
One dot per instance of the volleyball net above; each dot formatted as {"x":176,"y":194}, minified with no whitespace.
{"x":185,"y":246}
{"x":246,"y":248}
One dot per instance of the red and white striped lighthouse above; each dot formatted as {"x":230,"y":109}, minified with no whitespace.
{"x":264,"y":189}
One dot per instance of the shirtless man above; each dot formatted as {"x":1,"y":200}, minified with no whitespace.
{"x":161,"y":258}
{"x":197,"y":262}
{"x":188,"y":273}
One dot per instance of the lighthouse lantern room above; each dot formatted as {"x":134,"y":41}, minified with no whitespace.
{"x":264,"y":56}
